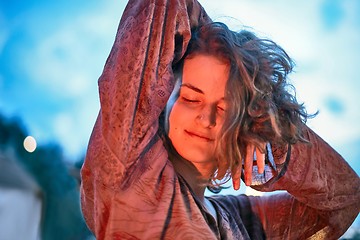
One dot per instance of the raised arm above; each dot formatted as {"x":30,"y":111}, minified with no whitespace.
{"x":134,"y":87}
{"x":324,"y":194}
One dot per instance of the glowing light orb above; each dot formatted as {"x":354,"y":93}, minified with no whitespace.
{"x":30,"y":144}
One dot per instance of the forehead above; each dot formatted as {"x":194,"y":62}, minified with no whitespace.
{"x":207,"y":73}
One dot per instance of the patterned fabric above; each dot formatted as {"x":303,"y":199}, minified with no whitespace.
{"x":129,"y":187}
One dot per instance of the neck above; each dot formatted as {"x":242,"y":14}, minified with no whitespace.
{"x":197,"y":175}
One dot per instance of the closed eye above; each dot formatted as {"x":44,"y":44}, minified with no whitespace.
{"x":190,"y":100}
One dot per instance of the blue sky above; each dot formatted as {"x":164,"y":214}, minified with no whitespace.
{"x":52,"y":53}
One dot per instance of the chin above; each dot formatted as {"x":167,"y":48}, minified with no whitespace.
{"x":196,"y":157}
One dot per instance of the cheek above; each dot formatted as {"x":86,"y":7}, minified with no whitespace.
{"x":174,"y":119}
{"x":180,"y":118}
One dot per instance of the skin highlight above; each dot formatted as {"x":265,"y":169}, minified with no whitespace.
{"x":197,"y":114}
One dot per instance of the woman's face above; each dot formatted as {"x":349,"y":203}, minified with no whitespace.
{"x":198,"y":113}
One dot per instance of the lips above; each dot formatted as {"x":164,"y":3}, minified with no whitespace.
{"x":199,"y":136}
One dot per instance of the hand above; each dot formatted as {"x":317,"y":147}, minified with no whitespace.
{"x":252,"y":153}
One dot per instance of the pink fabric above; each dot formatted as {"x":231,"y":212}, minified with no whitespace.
{"x":129,"y":187}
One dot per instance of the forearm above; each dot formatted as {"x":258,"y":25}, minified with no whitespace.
{"x":325,"y":191}
{"x":319,"y":176}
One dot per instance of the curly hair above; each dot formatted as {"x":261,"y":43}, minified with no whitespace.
{"x":261,"y":107}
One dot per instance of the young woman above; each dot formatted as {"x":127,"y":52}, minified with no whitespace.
{"x":151,"y":155}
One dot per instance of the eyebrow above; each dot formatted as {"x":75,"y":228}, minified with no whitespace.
{"x":192,"y":87}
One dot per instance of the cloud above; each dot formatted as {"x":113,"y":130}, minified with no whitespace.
{"x":61,"y":56}
{"x":351,"y":152}
{"x":66,"y":62}
{"x":65,"y":130}
{"x":72,"y":127}
{"x":334,"y":77}
{"x":68,"y":55}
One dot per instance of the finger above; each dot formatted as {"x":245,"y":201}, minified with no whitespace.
{"x":260,"y":161}
{"x":236,"y":175}
{"x":248,"y":165}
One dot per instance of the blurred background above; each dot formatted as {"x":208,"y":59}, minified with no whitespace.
{"x":52,"y":53}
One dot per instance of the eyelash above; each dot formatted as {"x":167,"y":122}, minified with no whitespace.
{"x":197,"y":101}
{"x":189,"y":100}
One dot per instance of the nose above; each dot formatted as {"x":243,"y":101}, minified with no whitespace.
{"x":207,"y":117}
